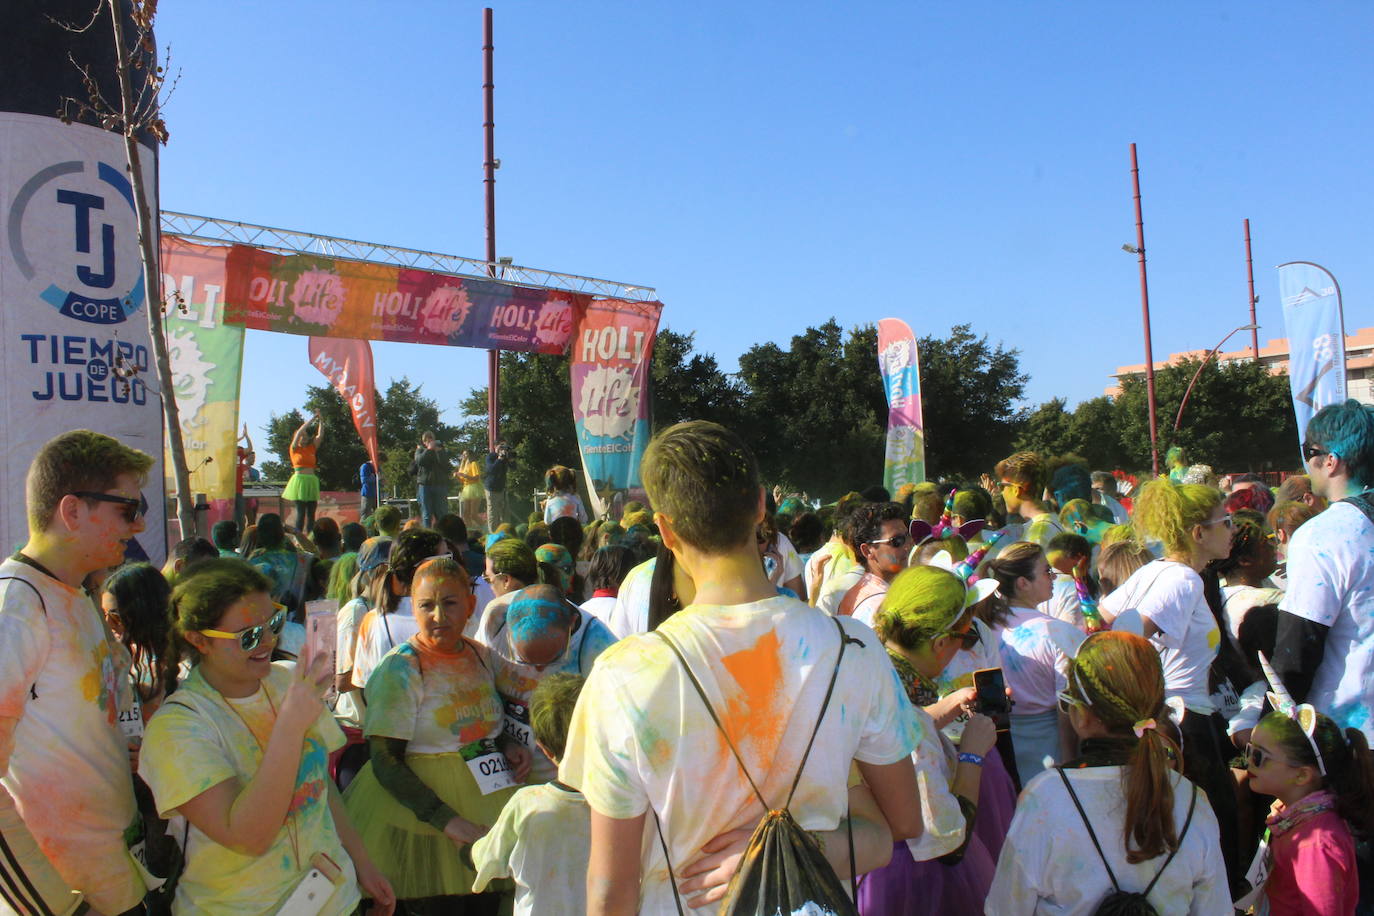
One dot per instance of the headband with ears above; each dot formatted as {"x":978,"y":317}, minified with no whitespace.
{"x":1305,"y":714}
{"x":922,"y":531}
{"x":974,"y":592}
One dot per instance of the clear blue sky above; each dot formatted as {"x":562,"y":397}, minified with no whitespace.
{"x":769,"y":165}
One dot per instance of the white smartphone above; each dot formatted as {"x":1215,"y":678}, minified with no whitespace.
{"x":309,"y":897}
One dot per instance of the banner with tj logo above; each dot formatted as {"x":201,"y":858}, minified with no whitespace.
{"x":74,"y":351}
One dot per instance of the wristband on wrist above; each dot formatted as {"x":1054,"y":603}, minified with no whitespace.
{"x":975,"y":759}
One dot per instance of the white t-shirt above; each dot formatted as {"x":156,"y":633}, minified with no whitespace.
{"x":1063,"y":604}
{"x":631,"y":612}
{"x":641,"y":736}
{"x":350,"y":709}
{"x":1169,"y":595}
{"x":481,"y":588}
{"x":1048,"y":864}
{"x":1032,"y":664}
{"x":1239,"y":600}
{"x":831,"y":559}
{"x":63,"y":758}
{"x":836,"y":587}
{"x":1042,"y":529}
{"x":942,"y":820}
{"x":1331,"y":582}
{"x":541,"y":840}
{"x":378,"y":634}
{"x":600,"y":608}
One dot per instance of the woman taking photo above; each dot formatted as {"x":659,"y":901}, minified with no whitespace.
{"x":241,"y":751}
{"x":303,"y":489}
{"x":1119,"y":805}
{"x":924,"y":621}
{"x":1191,"y":523}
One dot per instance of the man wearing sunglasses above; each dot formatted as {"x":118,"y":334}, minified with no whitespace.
{"x":881,"y":541}
{"x":67,"y":798}
{"x":1324,"y":651}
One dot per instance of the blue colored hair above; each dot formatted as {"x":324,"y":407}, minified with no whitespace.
{"x":1347,"y":431}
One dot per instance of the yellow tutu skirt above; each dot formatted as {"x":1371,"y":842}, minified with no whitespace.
{"x":419,"y":860}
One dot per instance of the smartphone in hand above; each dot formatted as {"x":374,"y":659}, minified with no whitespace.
{"x":993,"y":701}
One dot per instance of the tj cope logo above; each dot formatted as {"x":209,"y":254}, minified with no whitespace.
{"x":72,"y":235}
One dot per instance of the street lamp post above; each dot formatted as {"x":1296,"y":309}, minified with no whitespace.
{"x":1202,"y":365}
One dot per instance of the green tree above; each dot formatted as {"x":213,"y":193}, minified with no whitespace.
{"x":403,"y":413}
{"x":1238,"y":417}
{"x":686,"y":385}
{"x":1094,"y":433}
{"x":1048,"y":429}
{"x":815,"y":414}
{"x":969,"y":393}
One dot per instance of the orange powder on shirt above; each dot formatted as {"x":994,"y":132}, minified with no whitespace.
{"x":753,"y":716}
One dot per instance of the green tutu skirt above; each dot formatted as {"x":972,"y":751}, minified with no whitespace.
{"x":419,"y":860}
{"x":302,"y":488}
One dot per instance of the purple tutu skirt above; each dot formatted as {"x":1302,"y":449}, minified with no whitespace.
{"x":996,"y":805}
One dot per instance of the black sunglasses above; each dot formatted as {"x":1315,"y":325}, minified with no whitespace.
{"x":1311,"y":451}
{"x":898,"y":541}
{"x":134,"y":509}
{"x":251,"y":637}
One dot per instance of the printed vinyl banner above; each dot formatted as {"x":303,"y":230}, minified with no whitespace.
{"x":207,"y":362}
{"x":348,"y":366}
{"x":74,"y":347}
{"x":904,"y":461}
{"x":612,"y":347}
{"x":1313,"y":319}
{"x":320,"y":296}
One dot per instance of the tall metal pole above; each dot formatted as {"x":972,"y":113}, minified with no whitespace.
{"x":1145,"y":312}
{"x":489,"y":180}
{"x":1250,"y":276}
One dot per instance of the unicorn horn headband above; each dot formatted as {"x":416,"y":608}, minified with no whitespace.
{"x":1305,"y":714}
{"x":974,"y":592}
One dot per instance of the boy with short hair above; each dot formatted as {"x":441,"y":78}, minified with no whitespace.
{"x":67,"y":810}
{"x":1022,"y":478}
{"x":543,"y":834}
{"x":642,"y":741}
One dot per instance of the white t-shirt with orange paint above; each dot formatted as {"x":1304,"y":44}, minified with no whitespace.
{"x":641,"y":737}
{"x":63,"y":758}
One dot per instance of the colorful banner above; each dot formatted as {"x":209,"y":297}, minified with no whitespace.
{"x":207,"y":363}
{"x":904,"y":460}
{"x":319,"y":296}
{"x":74,"y":348}
{"x":1315,"y":324}
{"x":348,"y":366}
{"x":612,"y":347}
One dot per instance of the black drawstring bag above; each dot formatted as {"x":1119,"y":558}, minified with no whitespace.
{"x":783,"y":869}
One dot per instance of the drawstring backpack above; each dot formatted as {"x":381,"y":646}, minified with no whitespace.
{"x":1119,"y":902}
{"x":783,"y":869}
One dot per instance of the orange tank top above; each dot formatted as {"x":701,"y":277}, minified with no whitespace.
{"x":303,"y":457}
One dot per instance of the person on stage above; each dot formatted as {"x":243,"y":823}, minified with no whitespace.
{"x":303,"y":489}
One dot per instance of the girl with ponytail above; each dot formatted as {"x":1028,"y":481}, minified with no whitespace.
{"x":1323,"y":783}
{"x":1190,"y":523}
{"x":1122,"y":795}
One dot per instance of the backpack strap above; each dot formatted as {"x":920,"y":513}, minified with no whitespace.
{"x":825,"y":704}
{"x":34,"y":588}
{"x":672,"y":878}
{"x":1192,"y":804}
{"x":1091,"y":835}
{"x":1362,"y":502}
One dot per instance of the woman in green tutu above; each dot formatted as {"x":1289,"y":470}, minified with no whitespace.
{"x":303,"y":489}
{"x":441,"y":769}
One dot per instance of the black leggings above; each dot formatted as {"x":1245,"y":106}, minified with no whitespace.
{"x":453,"y":905}
{"x":1206,"y":751}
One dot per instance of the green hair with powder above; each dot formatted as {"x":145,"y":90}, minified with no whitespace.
{"x":923,"y":602}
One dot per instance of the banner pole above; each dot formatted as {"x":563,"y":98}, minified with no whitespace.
{"x":1250,"y":276}
{"x":489,"y":181}
{"x":1145,"y":312}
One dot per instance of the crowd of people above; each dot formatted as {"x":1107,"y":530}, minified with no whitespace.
{"x":1047,"y":691}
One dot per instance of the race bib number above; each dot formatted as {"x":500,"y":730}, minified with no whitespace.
{"x":517,"y":724}
{"x":490,"y":769}
{"x":131,"y":722}
{"x":1226,"y":700}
